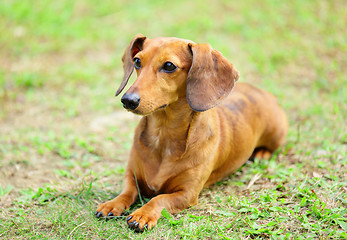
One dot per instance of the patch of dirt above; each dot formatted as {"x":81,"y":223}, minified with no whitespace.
{"x":22,"y":166}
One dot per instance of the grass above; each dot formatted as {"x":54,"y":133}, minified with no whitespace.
{"x":64,"y":138}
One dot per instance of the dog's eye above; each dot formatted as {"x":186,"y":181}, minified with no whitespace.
{"x":137,"y":63}
{"x":169,"y":67}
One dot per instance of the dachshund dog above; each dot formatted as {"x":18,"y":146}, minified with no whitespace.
{"x":197,"y":126}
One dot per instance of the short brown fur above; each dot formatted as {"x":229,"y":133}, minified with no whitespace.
{"x":192,"y":133}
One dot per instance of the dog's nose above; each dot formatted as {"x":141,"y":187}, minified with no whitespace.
{"x":130,"y":101}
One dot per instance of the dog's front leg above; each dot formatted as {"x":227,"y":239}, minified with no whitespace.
{"x":147,"y":216}
{"x":185,"y":195}
{"x":123,"y":201}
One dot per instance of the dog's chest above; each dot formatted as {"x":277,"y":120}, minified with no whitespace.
{"x":160,"y":179}
{"x":160,"y":153}
{"x":160,"y":167}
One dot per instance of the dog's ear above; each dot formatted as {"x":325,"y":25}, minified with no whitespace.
{"x":210,"y":78}
{"x":135,"y":46}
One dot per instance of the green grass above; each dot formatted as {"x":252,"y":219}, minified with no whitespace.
{"x":64,"y":138}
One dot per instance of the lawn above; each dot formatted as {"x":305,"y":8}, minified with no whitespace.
{"x":65,"y":138}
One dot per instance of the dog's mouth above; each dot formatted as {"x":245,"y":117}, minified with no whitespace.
{"x":161,"y":107}
{"x":136,"y":111}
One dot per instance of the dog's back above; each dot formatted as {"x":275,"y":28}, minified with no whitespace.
{"x":250,"y":119}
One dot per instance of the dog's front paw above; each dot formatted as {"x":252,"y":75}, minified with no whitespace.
{"x":109,"y":209}
{"x":143,"y":219}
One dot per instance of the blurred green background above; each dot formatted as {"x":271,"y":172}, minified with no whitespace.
{"x":61,"y":127}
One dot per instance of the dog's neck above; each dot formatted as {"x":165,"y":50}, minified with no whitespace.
{"x":167,"y":129}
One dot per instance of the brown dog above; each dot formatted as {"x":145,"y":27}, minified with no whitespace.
{"x":188,"y":138}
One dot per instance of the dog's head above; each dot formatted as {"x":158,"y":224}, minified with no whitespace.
{"x":171,"y":68}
